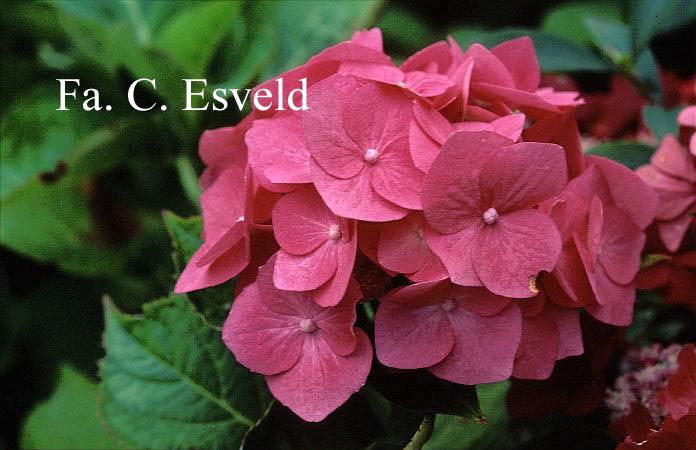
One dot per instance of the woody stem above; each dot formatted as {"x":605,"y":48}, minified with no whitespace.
{"x":423,"y":434}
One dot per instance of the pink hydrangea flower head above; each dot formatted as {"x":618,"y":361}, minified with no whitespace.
{"x":312,"y":357}
{"x":479,"y":198}
{"x":357,"y":135}
{"x":672,"y":174}
{"x":466,"y":335}
{"x":317,"y":248}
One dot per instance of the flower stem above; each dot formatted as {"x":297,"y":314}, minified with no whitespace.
{"x":423,"y":434}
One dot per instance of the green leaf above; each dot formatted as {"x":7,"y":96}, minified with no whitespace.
{"x":453,"y":433}
{"x":611,"y":37}
{"x":404,"y":30}
{"x":630,"y":154}
{"x":661,"y":121}
{"x":69,"y":418}
{"x":555,"y":54}
{"x":566,"y":20}
{"x":646,"y":71}
{"x":303,"y":28}
{"x":169,"y":382}
{"x":213,"y":302}
{"x":192,"y":36}
{"x":651,"y":17}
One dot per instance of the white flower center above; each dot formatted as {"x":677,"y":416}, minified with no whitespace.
{"x":371,"y":156}
{"x":308,"y":325}
{"x":448,"y":305}
{"x":490,"y":216}
{"x":334,"y":232}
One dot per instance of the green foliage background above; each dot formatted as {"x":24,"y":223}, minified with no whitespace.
{"x":86,"y":246}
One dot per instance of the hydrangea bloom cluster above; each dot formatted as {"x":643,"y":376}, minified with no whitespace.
{"x":460,"y":180}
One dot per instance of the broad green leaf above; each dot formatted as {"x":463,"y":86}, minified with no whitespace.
{"x":652,"y":17}
{"x":68,"y":419}
{"x":630,"y":154}
{"x":192,"y":36}
{"x":169,"y":382}
{"x":646,"y":71}
{"x":555,"y":54}
{"x":661,"y":121}
{"x":455,"y":433}
{"x":566,"y":20}
{"x":213,"y":302}
{"x":611,"y":37}
{"x":303,"y":28}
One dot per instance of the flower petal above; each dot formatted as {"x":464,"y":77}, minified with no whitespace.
{"x":454,"y":250}
{"x":394,"y":176}
{"x":484,"y":348}
{"x":277,"y":149}
{"x":509,"y":253}
{"x":305,"y":272}
{"x":321,"y":381}
{"x":354,"y":198}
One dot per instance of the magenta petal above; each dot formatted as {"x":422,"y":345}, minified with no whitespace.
{"x":321,"y":381}
{"x":484,"y":348}
{"x":223,"y":146}
{"x":335,"y":324}
{"x":528,"y":102}
{"x":569,"y":331}
{"x":305,"y":272}
{"x":423,"y":148}
{"x":376,"y":72}
{"x":519,"y":57}
{"x":227,"y":265}
{"x":375,"y":115}
{"x":413,"y":336}
{"x":261,"y":339}
{"x":507,"y":254}
{"x":433,"y":123}
{"x":452,"y":203}
{"x":673,"y":159}
{"x":628,"y":191}
{"x":327,"y":140}
{"x":522,"y":175}
{"x":510,"y":126}
{"x":433,"y":270}
{"x":354,"y":198}
{"x":222,"y":203}
{"x":622,"y":243}
{"x":454,"y":251}
{"x":371,"y":38}
{"x":301,"y":221}
{"x":331,"y":292}
{"x":402,"y":247}
{"x":394,"y":176}
{"x":488,"y":67}
{"x":617,"y":303}
{"x":539,"y":344}
{"x":427,"y":84}
{"x":277,"y":149}
{"x":672,"y":233}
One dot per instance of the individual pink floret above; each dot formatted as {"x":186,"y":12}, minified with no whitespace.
{"x":357,"y":135}
{"x":479,"y":198}
{"x":312,"y":357}
{"x":317,"y":248}
{"x":467,"y":335}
